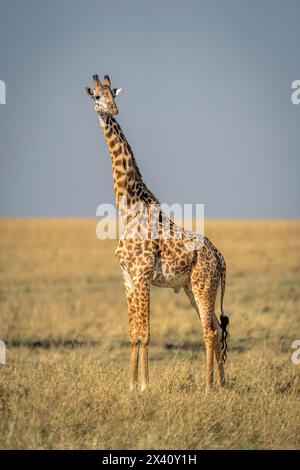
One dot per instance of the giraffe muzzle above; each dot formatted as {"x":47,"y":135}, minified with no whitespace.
{"x":114,"y":111}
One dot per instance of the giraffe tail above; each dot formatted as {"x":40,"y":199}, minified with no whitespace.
{"x":224,"y":320}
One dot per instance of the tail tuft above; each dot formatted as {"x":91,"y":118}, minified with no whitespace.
{"x":224,"y":321}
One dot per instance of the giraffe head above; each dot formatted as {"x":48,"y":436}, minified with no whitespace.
{"x":104,"y":96}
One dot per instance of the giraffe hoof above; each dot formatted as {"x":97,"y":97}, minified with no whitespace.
{"x":133,"y":388}
{"x":209,"y":389}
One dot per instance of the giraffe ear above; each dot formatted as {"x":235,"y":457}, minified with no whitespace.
{"x":117,"y":91}
{"x":89,"y":91}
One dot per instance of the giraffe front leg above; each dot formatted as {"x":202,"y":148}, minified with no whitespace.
{"x":134,"y":340}
{"x":139,"y":338}
{"x":144,"y":367}
{"x":138,"y":301}
{"x":134,"y":358}
{"x":143,"y":301}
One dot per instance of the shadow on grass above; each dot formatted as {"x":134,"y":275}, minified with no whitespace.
{"x":52,"y":343}
{"x":194,"y":347}
{"x":239,"y":347}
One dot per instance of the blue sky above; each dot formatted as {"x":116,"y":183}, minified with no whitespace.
{"x":206,"y":104}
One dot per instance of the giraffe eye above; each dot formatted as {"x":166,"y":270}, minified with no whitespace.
{"x":97,"y":97}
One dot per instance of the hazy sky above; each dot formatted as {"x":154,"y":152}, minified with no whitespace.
{"x":206,"y":103}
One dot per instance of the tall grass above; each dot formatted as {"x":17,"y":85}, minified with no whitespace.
{"x":64,"y":320}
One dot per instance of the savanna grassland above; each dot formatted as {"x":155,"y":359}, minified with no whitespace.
{"x":64,"y":320}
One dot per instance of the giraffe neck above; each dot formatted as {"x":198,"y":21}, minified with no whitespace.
{"x":128,"y":181}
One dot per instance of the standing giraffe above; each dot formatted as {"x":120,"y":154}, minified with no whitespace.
{"x":160,"y":260}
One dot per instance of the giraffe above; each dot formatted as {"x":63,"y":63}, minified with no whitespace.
{"x":163,"y":260}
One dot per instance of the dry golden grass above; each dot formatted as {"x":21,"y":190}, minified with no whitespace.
{"x":64,"y":319}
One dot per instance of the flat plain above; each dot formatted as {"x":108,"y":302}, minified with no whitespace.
{"x":63,"y":318}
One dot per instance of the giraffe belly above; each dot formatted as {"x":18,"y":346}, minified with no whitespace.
{"x":161,"y":281}
{"x":163,"y":276}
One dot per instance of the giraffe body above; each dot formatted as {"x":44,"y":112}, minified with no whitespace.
{"x":163,"y":260}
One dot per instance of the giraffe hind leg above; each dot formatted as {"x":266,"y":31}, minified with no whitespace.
{"x":217,"y":336}
{"x":204,"y":284}
{"x":196,"y":298}
{"x":218,"y":351}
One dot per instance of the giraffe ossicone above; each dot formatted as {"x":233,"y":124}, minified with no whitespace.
{"x":163,"y":261}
